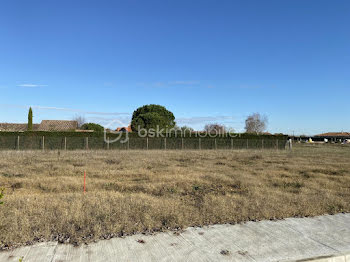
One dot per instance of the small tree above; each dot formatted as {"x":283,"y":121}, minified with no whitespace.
{"x":215,"y":128}
{"x":256,"y":123}
{"x":30,"y":119}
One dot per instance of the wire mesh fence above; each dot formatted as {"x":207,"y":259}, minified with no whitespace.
{"x":136,"y":143}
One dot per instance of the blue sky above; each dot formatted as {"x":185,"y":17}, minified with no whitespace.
{"x":206,"y":61}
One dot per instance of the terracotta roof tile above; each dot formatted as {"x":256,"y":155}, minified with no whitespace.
{"x":15,"y":127}
{"x":127,"y":129}
{"x":58,"y":125}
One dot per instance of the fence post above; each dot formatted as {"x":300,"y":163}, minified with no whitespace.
{"x":199,"y":145}
{"x":277,"y":144}
{"x":87,"y":143}
{"x":182,"y":143}
{"x":164,"y":143}
{"x":147,"y":143}
{"x":128,"y":143}
{"x":17,"y":142}
{"x":216,"y":145}
{"x":231,"y":144}
{"x":262,"y":144}
{"x":43,"y":143}
{"x":107,"y":143}
{"x":288,"y":144}
{"x":65,"y":143}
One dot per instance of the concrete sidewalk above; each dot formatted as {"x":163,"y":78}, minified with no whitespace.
{"x":286,"y":240}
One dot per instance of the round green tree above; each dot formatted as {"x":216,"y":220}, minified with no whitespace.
{"x":152,"y":116}
{"x":92,"y":126}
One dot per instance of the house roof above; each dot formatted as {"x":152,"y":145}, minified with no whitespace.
{"x":17,"y":127}
{"x":335,"y":134}
{"x":58,"y":125}
{"x":45,"y":125}
{"x":127,"y":129}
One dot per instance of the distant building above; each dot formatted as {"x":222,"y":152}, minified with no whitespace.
{"x":45,"y":125}
{"x":58,"y":125}
{"x":334,"y":136}
{"x":124,"y":129}
{"x":14,"y":127}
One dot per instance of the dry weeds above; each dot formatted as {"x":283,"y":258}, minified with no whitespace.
{"x":148,"y":191}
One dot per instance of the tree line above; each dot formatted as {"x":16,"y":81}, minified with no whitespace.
{"x":158,"y":117}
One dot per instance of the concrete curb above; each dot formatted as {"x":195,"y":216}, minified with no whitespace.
{"x":334,"y":258}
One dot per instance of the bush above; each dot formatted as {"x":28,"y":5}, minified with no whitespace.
{"x":92,"y":126}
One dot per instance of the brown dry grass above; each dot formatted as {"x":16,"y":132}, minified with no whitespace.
{"x":147,"y":191}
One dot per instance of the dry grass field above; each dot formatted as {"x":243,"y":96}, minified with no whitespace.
{"x":149,"y":191}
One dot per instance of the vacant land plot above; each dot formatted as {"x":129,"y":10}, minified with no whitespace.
{"x":148,"y":191}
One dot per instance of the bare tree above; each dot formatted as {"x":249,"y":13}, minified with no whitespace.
{"x":80,"y":119}
{"x":256,"y":123}
{"x":215,"y":128}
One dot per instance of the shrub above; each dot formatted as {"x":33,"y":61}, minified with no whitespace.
{"x":92,"y":126}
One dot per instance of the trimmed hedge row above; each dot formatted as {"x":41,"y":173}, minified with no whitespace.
{"x":97,"y":142}
{"x":134,"y":134}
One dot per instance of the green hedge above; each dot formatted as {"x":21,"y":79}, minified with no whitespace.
{"x":134,"y":134}
{"x":33,"y":142}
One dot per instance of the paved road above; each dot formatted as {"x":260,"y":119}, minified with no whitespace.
{"x":286,"y":240}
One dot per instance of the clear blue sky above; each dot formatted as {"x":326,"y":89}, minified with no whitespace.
{"x":215,"y":61}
